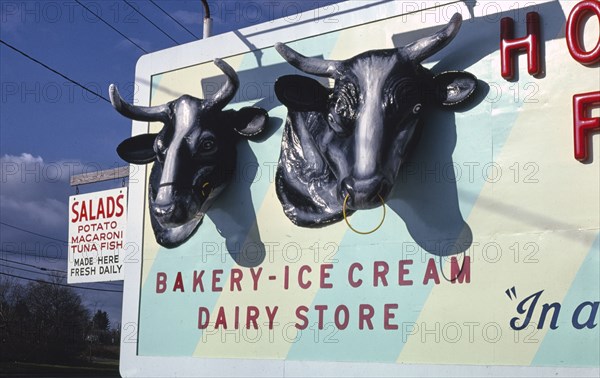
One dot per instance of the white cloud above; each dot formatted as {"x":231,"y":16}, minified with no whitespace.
{"x":34,"y":194}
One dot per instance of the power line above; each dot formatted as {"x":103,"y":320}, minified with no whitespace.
{"x":110,"y":26}
{"x":147,"y":19}
{"x":48,"y":270}
{"x":33,"y":266}
{"x":25,"y":270}
{"x":33,"y":233}
{"x":58,"y":284}
{"x":174,"y":19}
{"x":53,"y":70}
{"x":26,"y":254}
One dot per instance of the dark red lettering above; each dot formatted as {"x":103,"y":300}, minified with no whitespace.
{"x":251,"y":316}
{"x":161,"y":282}
{"x":351,"y":280}
{"x":300,"y":314}
{"x":178,"y":283}
{"x":402,"y":272}
{"x":582,"y":124}
{"x":574,"y":30}
{"x":324,"y":275}
{"x":529,"y":43}
{"x":304,"y":284}
{"x":236,"y":279}
{"x":380,"y":270}
{"x":320,"y":309}
{"x":388,"y":314}
{"x":365,"y":314}
{"x":431,"y":273}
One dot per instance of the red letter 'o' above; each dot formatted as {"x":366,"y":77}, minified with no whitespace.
{"x":573,"y":29}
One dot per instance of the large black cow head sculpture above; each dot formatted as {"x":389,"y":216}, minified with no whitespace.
{"x":194,"y":154}
{"x":345,"y":145}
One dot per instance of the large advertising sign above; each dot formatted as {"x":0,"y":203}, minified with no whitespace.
{"x":97,"y":224}
{"x":487,"y":250}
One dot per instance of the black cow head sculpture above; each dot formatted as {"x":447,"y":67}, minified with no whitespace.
{"x":194,"y":154}
{"x":346,"y":144}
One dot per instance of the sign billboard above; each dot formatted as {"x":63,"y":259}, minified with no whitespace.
{"x":97,"y":224}
{"x":488,"y":254}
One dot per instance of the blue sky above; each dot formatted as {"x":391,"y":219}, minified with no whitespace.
{"x":51,"y":128}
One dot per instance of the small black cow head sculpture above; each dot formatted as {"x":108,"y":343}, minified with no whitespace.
{"x":346,"y":144}
{"x":194,"y":154}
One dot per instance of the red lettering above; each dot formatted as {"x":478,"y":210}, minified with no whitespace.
{"x":221,"y":320}
{"x":402,"y":272}
{"x":582,"y":124}
{"x":431,"y":273}
{"x":91,"y":210}
{"x":216,"y":278}
{"x":203,"y":313}
{"x":161,"y":282}
{"x":286,"y":277}
{"x":83,"y":212}
{"x":365,"y":314}
{"x":460,"y":274}
{"x":324,"y":275}
{"x":120,"y":205}
{"x":339,"y":324}
{"x":178,"y":283}
{"x":300,"y":314}
{"x":529,"y":43}
{"x":351,"y":280}
{"x":387,"y":315}
{"x":74,"y":210}
{"x":100,"y":211}
{"x":303,"y":284}
{"x":380,"y":270}
{"x":197,"y":281}
{"x":320,"y":309}
{"x":236,"y":317}
{"x":574,"y":28}
{"x":255,"y":277}
{"x":251,"y":316}
{"x":236,"y":279}
{"x":101,"y":208}
{"x":271,"y":315}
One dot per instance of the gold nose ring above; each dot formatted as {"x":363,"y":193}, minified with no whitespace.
{"x":202,"y":189}
{"x":355,"y":230}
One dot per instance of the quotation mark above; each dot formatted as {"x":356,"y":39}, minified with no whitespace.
{"x":513,"y":291}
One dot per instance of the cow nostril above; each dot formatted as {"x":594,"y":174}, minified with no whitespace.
{"x":348,"y":187}
{"x":365,"y":193}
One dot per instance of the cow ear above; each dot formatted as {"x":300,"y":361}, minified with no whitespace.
{"x":455,"y":87}
{"x":250,"y":121}
{"x":138,"y":149}
{"x":301,"y":93}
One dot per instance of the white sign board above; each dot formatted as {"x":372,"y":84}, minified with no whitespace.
{"x":97,"y":223}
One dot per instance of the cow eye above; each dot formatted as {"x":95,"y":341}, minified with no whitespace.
{"x":208,"y":145}
{"x":160,"y":145}
{"x":416,"y":109}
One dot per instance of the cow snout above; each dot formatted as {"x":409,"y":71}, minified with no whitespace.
{"x":163,"y":211}
{"x":365,"y":193}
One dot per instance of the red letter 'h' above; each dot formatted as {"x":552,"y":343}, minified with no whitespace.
{"x":531,"y":43}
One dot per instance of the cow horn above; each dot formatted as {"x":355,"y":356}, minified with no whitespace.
{"x":138,"y":113}
{"x":227,"y":91}
{"x":425,"y":47}
{"x":315,"y":66}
